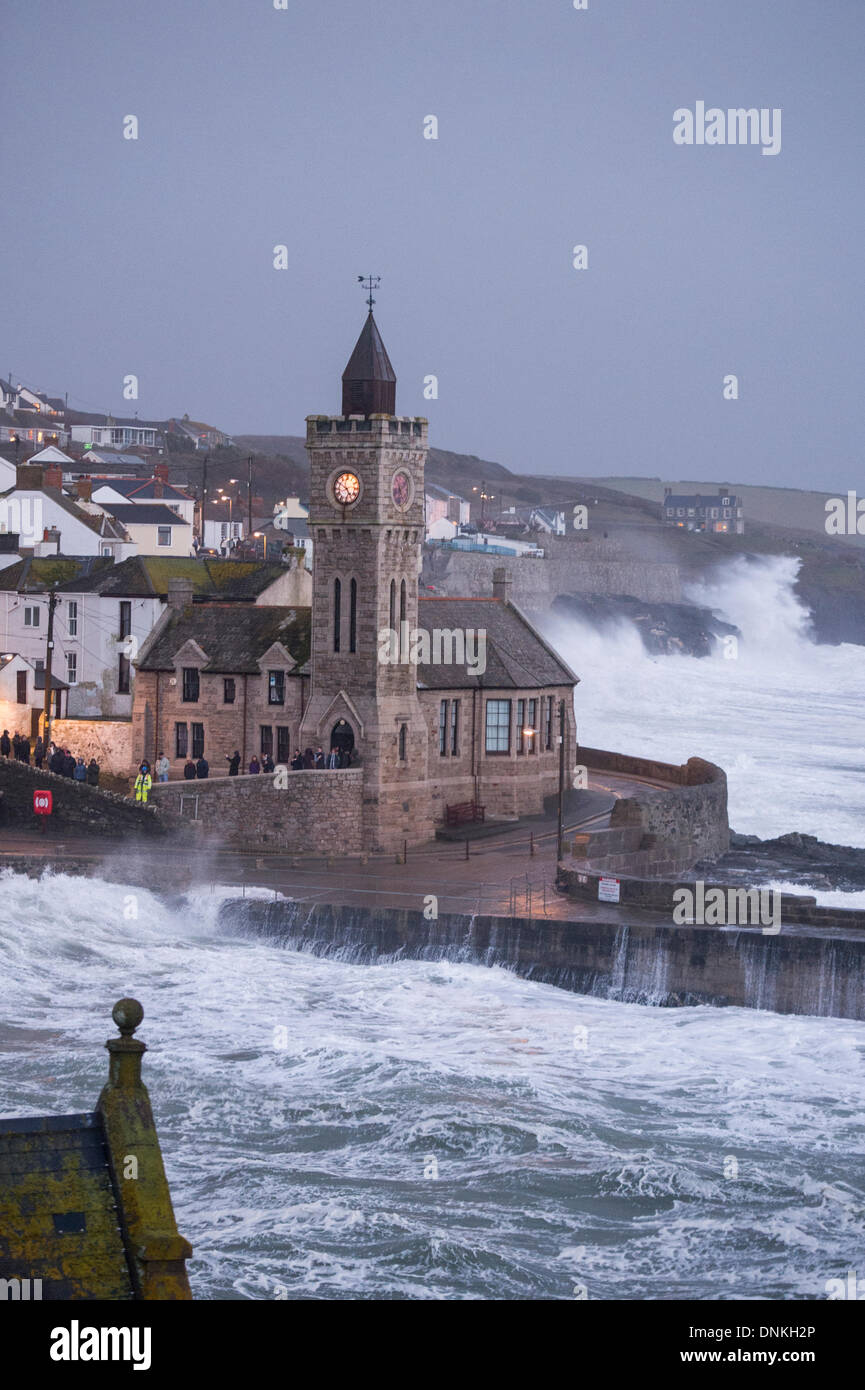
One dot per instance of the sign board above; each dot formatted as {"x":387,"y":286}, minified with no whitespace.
{"x":43,"y":803}
{"x":608,"y":890}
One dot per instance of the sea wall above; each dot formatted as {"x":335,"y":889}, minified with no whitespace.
{"x":77,"y":807}
{"x":312,"y":813}
{"x":568,"y":567}
{"x":797,"y":973}
{"x":656,"y":831}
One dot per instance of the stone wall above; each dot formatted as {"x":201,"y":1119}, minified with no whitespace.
{"x":657,"y":831}
{"x":109,"y":741}
{"x":313,"y":813}
{"x":78,"y":808}
{"x":568,"y":567}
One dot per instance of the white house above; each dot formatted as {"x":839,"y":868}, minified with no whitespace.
{"x":37,"y":504}
{"x":22,"y":694}
{"x":155,"y":529}
{"x":109,"y":493}
{"x":439,"y":502}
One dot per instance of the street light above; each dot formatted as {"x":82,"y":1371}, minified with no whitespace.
{"x":259,"y":536}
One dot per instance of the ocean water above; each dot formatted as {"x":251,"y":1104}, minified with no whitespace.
{"x":785,"y":717}
{"x":441,"y":1131}
{"x":446,"y":1131}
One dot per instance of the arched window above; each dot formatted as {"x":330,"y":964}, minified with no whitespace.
{"x":337,"y":613}
{"x":403,"y":739}
{"x":402,"y":602}
{"x":392,"y":623}
{"x":352,"y":616}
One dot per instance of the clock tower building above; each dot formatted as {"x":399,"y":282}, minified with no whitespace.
{"x":366,"y":514}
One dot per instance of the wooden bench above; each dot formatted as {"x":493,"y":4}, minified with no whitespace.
{"x":463,"y":812}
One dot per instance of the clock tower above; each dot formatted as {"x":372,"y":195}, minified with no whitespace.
{"x":366,"y":514}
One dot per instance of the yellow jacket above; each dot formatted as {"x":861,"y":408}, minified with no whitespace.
{"x":143,"y":783}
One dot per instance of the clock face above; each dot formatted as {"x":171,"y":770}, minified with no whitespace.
{"x":401,"y":489}
{"x":346,"y":489}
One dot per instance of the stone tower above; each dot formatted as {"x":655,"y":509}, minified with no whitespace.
{"x":366,"y":512}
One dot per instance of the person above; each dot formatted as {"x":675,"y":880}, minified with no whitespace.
{"x":308,"y":758}
{"x":202,"y":767}
{"x":93,"y":773}
{"x":189,"y":770}
{"x":233,"y":763}
{"x":5,"y":745}
{"x":333,"y":757}
{"x":39,"y":752}
{"x":57,"y":762}
{"x":68,"y":764}
{"x":24,"y":750}
{"x":267,"y":763}
{"x":254,"y":766}
{"x":345,"y":757}
{"x":143,"y":783}
{"x":80,"y":773}
{"x":16,"y":746}
{"x":319,"y":758}
{"x":163,"y":767}
{"x":297,"y":761}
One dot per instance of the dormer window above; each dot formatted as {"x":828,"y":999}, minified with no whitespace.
{"x":276,"y":687}
{"x":191,"y":685}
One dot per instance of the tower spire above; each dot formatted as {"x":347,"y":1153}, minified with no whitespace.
{"x":369,"y":380}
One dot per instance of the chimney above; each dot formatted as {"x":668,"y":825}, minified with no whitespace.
{"x":724,"y":490}
{"x":85,"y":489}
{"x":502,"y":585}
{"x":52,"y":475}
{"x":667,"y":491}
{"x":51,"y":536}
{"x":180,"y":592}
{"x":158,"y":486}
{"x":29,"y":477}
{"x":160,"y":471}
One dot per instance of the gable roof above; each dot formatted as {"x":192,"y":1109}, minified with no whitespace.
{"x":140,"y":514}
{"x":141,"y":487}
{"x":235,"y":638}
{"x":517,"y":656}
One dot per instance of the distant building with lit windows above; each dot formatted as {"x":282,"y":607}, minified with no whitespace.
{"x":694,"y":512}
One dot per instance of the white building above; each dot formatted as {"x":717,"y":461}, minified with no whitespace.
{"x":37,"y":504}
{"x":439,"y":503}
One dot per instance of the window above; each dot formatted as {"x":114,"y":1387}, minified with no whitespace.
{"x":266,"y":740}
{"x":72,"y":618}
{"x":163,"y":535}
{"x":276,"y":687}
{"x":190,"y":685}
{"x":455,"y":727}
{"x":392,"y":604}
{"x":402,"y":603}
{"x":106,"y":550}
{"x":337,"y":613}
{"x":71,"y":668}
{"x":198,"y":741}
{"x":352,"y":616}
{"x":532,"y":724}
{"x":281,"y":744}
{"x":498,"y":731}
{"x":123,"y":675}
{"x":21,"y":681}
{"x":521,"y":726}
{"x":443,"y":728}
{"x":181,"y":735}
{"x":31,"y":617}
{"x":548,"y":723}
{"x":228,"y":691}
{"x":403,"y":739}
{"x":125,"y":618}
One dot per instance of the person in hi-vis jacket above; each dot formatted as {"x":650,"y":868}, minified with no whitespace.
{"x":143,"y":783}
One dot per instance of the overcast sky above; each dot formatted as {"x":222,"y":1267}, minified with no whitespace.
{"x":303,"y":127}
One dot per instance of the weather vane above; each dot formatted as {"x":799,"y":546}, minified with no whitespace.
{"x":371,"y":282}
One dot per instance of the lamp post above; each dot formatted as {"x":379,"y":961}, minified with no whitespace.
{"x":260,"y":536}
{"x":561,"y":778}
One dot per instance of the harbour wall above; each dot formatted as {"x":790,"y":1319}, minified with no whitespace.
{"x":645,"y":963}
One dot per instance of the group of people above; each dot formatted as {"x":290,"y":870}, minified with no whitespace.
{"x":49,"y":756}
{"x":337,"y":757}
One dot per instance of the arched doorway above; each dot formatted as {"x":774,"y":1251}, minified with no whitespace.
{"x":342,"y":736}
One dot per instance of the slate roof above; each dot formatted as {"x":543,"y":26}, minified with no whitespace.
{"x":369,"y":360}
{"x":138,"y":514}
{"x":517,"y":657}
{"x":700,"y":499}
{"x":147,"y":576}
{"x":234,"y":639}
{"x":58,"y":496}
{"x":141,"y":487}
{"x":35,"y":574}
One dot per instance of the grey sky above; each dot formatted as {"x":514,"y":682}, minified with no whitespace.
{"x":304,"y":126}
